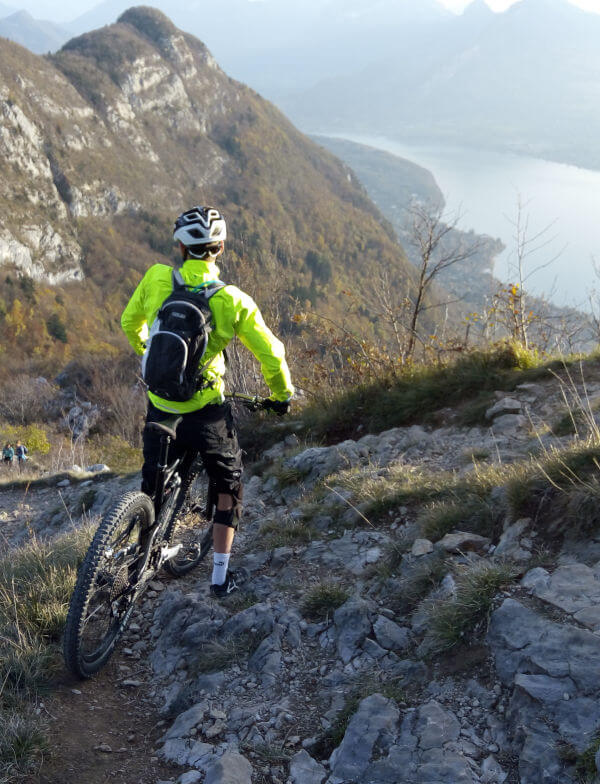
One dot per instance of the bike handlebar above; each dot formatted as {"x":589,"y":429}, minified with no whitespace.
{"x":253,"y":402}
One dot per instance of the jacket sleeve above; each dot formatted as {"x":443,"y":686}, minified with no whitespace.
{"x":268,"y":350}
{"x":133,"y":320}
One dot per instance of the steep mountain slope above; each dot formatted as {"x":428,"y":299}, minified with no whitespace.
{"x":526,"y":79}
{"x":106,"y":141}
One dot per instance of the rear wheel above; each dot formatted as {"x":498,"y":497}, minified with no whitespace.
{"x":102,"y":600}
{"x":188,"y":527}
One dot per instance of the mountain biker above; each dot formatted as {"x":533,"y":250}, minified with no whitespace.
{"x":207,"y":425}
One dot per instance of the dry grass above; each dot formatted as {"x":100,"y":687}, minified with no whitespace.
{"x":36,"y":583}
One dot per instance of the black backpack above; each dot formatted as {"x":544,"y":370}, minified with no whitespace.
{"x":177,"y":341}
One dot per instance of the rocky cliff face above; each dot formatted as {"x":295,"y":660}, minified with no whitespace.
{"x":106,"y":141}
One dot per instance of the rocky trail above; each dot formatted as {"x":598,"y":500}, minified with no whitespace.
{"x":315,"y":672}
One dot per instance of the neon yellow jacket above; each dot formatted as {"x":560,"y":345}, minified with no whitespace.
{"x":234,"y":313}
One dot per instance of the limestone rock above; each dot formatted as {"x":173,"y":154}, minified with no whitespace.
{"x":372,"y":726}
{"x":436,"y":726}
{"x":231,"y":768}
{"x":512,"y":543}
{"x":573,"y":588}
{"x":507,"y":405}
{"x":305,"y":770}
{"x":389,"y":635}
{"x":421,"y":547}
{"x":509,"y":423}
{"x":185,"y":722}
{"x":352,"y":625}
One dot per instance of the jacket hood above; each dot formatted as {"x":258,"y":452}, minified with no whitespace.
{"x":201,"y":268}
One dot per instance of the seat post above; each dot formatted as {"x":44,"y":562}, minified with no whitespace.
{"x":165,"y":441}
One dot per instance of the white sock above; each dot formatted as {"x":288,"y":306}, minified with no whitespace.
{"x":220,"y":564}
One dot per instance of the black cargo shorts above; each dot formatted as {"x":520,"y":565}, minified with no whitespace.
{"x":209,"y":431}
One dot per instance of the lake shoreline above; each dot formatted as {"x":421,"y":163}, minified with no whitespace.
{"x":559,"y":199}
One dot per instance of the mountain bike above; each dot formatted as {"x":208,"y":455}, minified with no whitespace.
{"x":139,"y":536}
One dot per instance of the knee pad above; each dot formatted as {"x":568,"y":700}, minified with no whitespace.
{"x":226,"y":517}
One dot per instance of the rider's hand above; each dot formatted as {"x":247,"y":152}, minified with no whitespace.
{"x":280,"y":407}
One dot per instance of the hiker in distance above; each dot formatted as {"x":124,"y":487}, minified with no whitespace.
{"x":190,"y":383}
{"x":8,"y":455}
{"x":21,"y":455}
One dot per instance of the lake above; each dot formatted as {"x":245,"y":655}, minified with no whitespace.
{"x":485,"y":188}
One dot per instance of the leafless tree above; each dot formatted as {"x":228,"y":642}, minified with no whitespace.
{"x":527,"y":245}
{"x":429,"y":233}
{"x":23,"y":398}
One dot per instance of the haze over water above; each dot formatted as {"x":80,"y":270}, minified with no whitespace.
{"x":485,"y":186}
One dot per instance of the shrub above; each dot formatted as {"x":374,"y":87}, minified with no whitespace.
{"x":56,"y":328}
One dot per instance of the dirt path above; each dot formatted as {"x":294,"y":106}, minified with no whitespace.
{"x":85,"y":718}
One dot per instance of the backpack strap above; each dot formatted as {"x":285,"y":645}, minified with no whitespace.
{"x":209,"y":288}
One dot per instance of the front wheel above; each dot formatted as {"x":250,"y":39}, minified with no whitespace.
{"x":103,"y":597}
{"x":187,"y":527}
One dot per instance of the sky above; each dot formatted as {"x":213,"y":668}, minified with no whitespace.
{"x":502,"y":5}
{"x":67,"y":10}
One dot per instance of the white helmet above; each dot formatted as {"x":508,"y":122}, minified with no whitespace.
{"x":201,"y":230}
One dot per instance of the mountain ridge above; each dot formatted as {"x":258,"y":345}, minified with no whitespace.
{"x":121,"y":129}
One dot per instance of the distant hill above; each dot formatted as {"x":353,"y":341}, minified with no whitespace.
{"x":278,"y":45}
{"x":39,"y":36}
{"x":108,"y":139}
{"x":527,"y":80}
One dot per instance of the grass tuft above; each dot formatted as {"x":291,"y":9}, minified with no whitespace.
{"x":585,"y":763}
{"x":451,"y":619}
{"x":286,"y":533}
{"x":475,"y":515}
{"x":216,"y":655}
{"x":321,"y":601}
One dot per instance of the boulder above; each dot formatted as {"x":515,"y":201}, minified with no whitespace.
{"x":463,"y":542}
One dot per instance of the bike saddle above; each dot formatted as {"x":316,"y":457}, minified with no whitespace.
{"x":168,"y":425}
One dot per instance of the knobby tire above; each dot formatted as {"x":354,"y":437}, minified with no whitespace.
{"x":92,"y":579}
